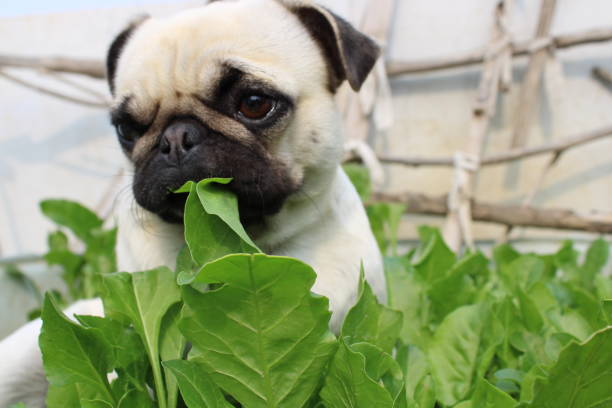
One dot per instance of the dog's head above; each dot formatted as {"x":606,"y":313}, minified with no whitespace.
{"x":240,"y":89}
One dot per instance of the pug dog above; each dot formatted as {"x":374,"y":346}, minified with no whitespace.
{"x":242,"y":89}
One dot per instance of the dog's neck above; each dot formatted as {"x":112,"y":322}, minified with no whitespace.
{"x":309,"y":205}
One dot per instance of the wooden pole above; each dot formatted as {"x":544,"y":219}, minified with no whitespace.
{"x":458,"y":227}
{"x":509,"y":215}
{"x":529,"y":98}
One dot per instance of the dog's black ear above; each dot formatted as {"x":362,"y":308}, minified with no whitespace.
{"x":350,"y":54}
{"x":114,"y":51}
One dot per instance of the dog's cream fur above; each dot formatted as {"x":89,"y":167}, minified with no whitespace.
{"x":324,"y":224}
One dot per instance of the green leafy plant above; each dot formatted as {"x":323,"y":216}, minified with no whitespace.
{"x":81,"y":270}
{"x":80,"y":250}
{"x":231,"y":326}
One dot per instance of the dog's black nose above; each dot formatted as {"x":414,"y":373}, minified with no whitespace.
{"x":179,"y":138}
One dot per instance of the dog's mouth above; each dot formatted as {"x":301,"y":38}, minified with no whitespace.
{"x":253,"y":204}
{"x":260,"y":183}
{"x":173,"y":210}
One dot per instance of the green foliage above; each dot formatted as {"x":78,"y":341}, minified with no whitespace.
{"x":384,"y":221}
{"x":75,"y":355}
{"x":141,"y":300}
{"x":369,"y":321}
{"x":581,"y":377}
{"x":81,"y":270}
{"x":503,"y":333}
{"x":80,"y":260}
{"x":80,"y":220}
{"x":348,"y":384}
{"x":262,"y":336}
{"x":212,"y":224}
{"x":197,"y":388}
{"x":234,"y":327}
{"x":453,"y":353}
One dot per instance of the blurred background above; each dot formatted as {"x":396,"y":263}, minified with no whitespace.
{"x":524,"y":135}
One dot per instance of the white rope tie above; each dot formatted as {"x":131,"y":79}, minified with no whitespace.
{"x":463,"y":163}
{"x":459,"y":196}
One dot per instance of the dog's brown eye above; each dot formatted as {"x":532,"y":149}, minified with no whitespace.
{"x":255,"y":107}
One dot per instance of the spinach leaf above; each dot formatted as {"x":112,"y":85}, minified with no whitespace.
{"x":74,"y":358}
{"x":197,"y":388}
{"x":262,"y":336}
{"x":142,"y":299}
{"x":347,"y":383}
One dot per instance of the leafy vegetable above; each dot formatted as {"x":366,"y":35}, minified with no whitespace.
{"x":348,"y":384}
{"x":80,"y":271}
{"x":262,"y":336}
{"x":74,"y":216}
{"x":75,"y":355}
{"x":582,"y":376}
{"x":488,"y":396}
{"x":197,"y":388}
{"x":212,"y":224}
{"x":142,"y":299}
{"x":453,"y":353}
{"x":234,"y":327}
{"x":369,"y":321}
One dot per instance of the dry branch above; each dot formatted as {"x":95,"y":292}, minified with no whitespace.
{"x":95,"y":68}
{"x":56,"y":94}
{"x":60,"y":77}
{"x":395,"y":68}
{"x":509,"y":215}
{"x":510,"y":155}
{"x":90,"y":67}
{"x":604,"y":76}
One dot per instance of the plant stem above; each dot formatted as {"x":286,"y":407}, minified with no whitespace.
{"x":160,"y":390}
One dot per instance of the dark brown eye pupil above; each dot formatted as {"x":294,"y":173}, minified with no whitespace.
{"x":255,"y":106}
{"x":126,"y":132}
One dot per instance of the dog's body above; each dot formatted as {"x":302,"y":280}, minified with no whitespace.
{"x":234,"y":89}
